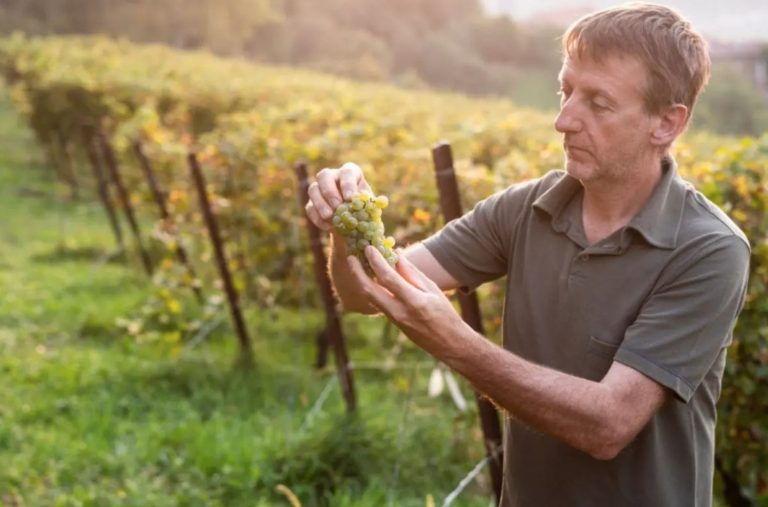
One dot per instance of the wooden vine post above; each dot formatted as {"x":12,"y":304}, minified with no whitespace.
{"x":61,"y":147}
{"x":333,"y":333}
{"x":125,"y":199}
{"x":221,"y":259}
{"x":470,"y":310}
{"x":102,"y":184}
{"x":159,"y":198}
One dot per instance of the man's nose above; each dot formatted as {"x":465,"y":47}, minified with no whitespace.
{"x":567,"y":119}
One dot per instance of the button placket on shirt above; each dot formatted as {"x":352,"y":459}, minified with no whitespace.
{"x":577,"y":271}
{"x":589,"y":255}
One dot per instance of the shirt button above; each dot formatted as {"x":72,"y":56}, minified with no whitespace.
{"x":585,"y":258}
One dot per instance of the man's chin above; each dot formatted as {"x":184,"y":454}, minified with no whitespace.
{"x":578,"y":170}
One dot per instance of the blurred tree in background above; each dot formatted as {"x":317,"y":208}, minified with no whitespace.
{"x":447,"y":44}
{"x":732,"y":104}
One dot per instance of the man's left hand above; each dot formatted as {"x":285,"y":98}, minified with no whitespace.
{"x":411,"y":300}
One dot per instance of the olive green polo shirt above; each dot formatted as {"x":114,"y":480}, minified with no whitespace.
{"x":660,"y":295}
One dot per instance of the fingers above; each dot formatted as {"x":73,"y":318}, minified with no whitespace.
{"x":319,"y":202}
{"x":413,"y":275}
{"x":315,"y":217}
{"x":351,"y":180}
{"x":330,"y":188}
{"x":388,"y":277}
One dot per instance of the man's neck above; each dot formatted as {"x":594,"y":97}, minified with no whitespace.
{"x":609,"y":206}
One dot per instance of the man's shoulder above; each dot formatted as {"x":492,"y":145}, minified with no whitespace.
{"x":512,"y":204}
{"x":545,"y":181}
{"x":531,"y":189}
{"x":702,"y":217}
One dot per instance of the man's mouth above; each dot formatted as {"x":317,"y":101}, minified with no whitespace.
{"x":575,"y":150}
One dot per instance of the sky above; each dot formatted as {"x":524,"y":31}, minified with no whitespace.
{"x":725,"y":20}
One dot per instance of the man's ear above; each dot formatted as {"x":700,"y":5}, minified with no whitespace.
{"x":669,"y":124}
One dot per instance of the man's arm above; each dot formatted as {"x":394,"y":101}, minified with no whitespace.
{"x":599,"y":418}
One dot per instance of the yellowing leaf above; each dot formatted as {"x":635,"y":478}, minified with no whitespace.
{"x":421,"y":216}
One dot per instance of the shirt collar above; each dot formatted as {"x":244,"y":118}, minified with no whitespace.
{"x":555,"y":199}
{"x":658,"y":222}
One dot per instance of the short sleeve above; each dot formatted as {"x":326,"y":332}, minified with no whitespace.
{"x":686,"y":322}
{"x":475,"y":248}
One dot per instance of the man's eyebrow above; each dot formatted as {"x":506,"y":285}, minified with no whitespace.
{"x":590,"y":90}
{"x":599,"y":91}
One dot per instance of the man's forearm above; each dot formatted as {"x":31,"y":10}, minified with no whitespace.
{"x":349,"y":293}
{"x":577,"y":411}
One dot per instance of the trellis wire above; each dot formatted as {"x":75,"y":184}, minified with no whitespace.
{"x":310,"y":417}
{"x":449,"y":499}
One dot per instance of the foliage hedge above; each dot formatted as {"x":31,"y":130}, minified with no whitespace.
{"x":250,"y":124}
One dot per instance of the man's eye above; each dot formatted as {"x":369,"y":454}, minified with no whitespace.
{"x":598,"y":106}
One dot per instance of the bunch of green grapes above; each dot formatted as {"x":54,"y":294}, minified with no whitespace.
{"x":359,"y":221}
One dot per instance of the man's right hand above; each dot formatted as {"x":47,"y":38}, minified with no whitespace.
{"x":331,"y":188}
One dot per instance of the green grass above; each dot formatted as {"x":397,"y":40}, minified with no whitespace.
{"x":92,"y":417}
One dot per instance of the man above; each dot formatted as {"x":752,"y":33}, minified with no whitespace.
{"x":623,"y":282}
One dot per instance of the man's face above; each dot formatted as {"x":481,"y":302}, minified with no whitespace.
{"x":605,"y":126}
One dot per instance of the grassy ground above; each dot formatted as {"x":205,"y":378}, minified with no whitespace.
{"x":91,"y":417}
